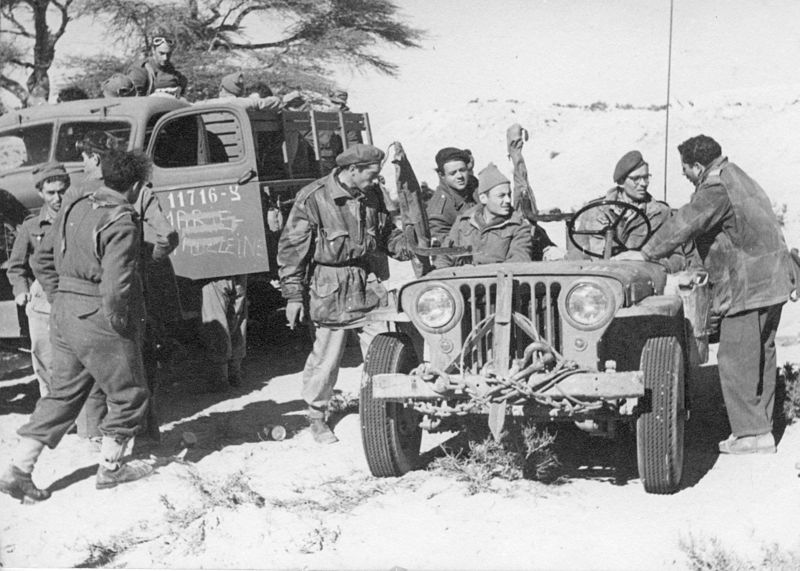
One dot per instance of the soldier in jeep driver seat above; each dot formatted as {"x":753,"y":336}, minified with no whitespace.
{"x":494,"y":230}
{"x":330,"y":242}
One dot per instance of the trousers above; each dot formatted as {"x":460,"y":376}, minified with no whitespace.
{"x":86,"y":349}
{"x":224,"y":316}
{"x":322,"y":366}
{"x":748,"y":368}
{"x":41,"y":351}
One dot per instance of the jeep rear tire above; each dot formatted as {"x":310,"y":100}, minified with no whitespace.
{"x":390,"y":431}
{"x":660,"y":428}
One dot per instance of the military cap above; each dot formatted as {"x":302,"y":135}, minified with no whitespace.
{"x":360,"y":154}
{"x":448,"y":154}
{"x":489,"y":178}
{"x":49,"y":170}
{"x":629,"y":162}
{"x":119,"y":85}
{"x":233,"y":83}
{"x":338,"y":96}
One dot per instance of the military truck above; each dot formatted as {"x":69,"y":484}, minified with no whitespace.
{"x":225,"y":175}
{"x":599,"y":343}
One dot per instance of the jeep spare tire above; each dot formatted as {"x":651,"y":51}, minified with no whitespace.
{"x":390,"y":431}
{"x":660,"y":427}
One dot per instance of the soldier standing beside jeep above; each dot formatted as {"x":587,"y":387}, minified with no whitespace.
{"x":52,"y":181}
{"x":336,"y":226}
{"x":494,"y":230}
{"x":740,"y":243}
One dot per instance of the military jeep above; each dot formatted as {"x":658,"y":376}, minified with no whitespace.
{"x":598,"y":343}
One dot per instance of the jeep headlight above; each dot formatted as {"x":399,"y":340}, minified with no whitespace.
{"x":436,"y":307}
{"x":589,"y":305}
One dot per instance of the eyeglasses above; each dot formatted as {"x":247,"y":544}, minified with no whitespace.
{"x":640,"y":178}
{"x":158,"y":40}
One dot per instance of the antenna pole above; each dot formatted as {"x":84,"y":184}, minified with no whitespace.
{"x":669,"y":83}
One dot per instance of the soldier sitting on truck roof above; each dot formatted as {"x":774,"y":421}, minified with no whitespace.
{"x":494,"y":230}
{"x":118,"y":85}
{"x":232,"y":90}
{"x":146,"y":73}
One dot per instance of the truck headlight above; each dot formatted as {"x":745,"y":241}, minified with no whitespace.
{"x":436,"y":307}
{"x":589,"y":305}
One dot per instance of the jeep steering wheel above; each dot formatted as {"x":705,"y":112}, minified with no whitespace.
{"x":608,"y":231}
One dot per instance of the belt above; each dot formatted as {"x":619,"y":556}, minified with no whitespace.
{"x":77,"y":285}
{"x":357,"y":263}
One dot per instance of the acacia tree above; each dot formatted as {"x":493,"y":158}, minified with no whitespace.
{"x":32,"y":43}
{"x":212,"y":36}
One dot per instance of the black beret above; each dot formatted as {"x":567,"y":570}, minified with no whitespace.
{"x":629,"y":162}
{"x":360,"y":154}
{"x":451,"y":154}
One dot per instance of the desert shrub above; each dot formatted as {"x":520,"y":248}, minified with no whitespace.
{"x":598,"y":106}
{"x":521,"y":453}
{"x":788,"y":392}
{"x":709,"y":554}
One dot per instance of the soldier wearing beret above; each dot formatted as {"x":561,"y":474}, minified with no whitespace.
{"x":495,"y":231}
{"x":51,"y":181}
{"x":97,"y":317}
{"x":455,"y":193}
{"x":336,"y":227}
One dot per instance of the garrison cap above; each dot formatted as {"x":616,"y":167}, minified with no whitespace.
{"x":49,"y":170}
{"x":119,"y":85}
{"x":233,"y":83}
{"x":360,"y":154}
{"x":629,"y":162}
{"x":448,"y":154}
{"x":489,"y":178}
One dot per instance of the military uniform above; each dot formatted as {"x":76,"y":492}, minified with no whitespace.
{"x":19,"y":273}
{"x":98,"y":313}
{"x":445,"y":205}
{"x":326,"y":250}
{"x":740,"y":243}
{"x":508,"y":240}
{"x":224,"y":328}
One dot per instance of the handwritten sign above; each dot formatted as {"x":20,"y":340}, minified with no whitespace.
{"x":221,"y":230}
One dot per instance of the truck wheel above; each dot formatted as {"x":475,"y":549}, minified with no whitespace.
{"x":659,"y":430}
{"x":390,"y":431}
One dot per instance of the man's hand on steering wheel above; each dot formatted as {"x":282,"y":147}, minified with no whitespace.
{"x":610,"y":220}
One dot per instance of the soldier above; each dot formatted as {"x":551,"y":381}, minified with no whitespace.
{"x":51,"y":181}
{"x":97,"y":317}
{"x":118,"y":85}
{"x":232,"y":89}
{"x":454,"y":194}
{"x":494,"y":230}
{"x":335,"y":227}
{"x":740,"y":243}
{"x":150,"y":73}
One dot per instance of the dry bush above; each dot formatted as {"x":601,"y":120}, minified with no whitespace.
{"x":789,"y":392}
{"x":526,"y":453}
{"x":709,"y":554}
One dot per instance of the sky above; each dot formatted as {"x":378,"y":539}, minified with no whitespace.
{"x":566,"y":51}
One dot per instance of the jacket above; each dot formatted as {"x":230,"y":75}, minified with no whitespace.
{"x":96,"y":251}
{"x":329,"y":247}
{"x":509,"y":240}
{"x":19,"y":272}
{"x":444,"y":207}
{"x":738,"y":240}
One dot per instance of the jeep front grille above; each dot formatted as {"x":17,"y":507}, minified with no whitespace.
{"x":536,"y":298}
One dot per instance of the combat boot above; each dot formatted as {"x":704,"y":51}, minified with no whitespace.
{"x":128,"y":472}
{"x":321,"y":432}
{"x":20,"y":486}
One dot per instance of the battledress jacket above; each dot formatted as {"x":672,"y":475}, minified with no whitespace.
{"x":509,"y":240}
{"x":19,"y":273}
{"x":444,"y":207}
{"x":738,"y":240}
{"x":96,"y":250}
{"x":328,"y":248}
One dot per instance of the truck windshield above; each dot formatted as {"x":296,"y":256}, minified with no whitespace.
{"x":74,"y":131}
{"x":25,"y":146}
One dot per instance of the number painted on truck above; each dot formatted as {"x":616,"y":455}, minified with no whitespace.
{"x":190,"y":197}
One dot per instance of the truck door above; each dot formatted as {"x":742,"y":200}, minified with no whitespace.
{"x":205,"y":177}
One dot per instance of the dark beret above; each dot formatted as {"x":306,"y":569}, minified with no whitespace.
{"x":49,"y":170}
{"x":360,"y":154}
{"x":629,"y":162}
{"x":448,"y":154}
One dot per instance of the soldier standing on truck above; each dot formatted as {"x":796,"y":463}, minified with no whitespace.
{"x":495,"y":231}
{"x":96,"y":324}
{"x":157,"y":69}
{"x":336,"y":226}
{"x":740,"y":243}
{"x":52,"y":181}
